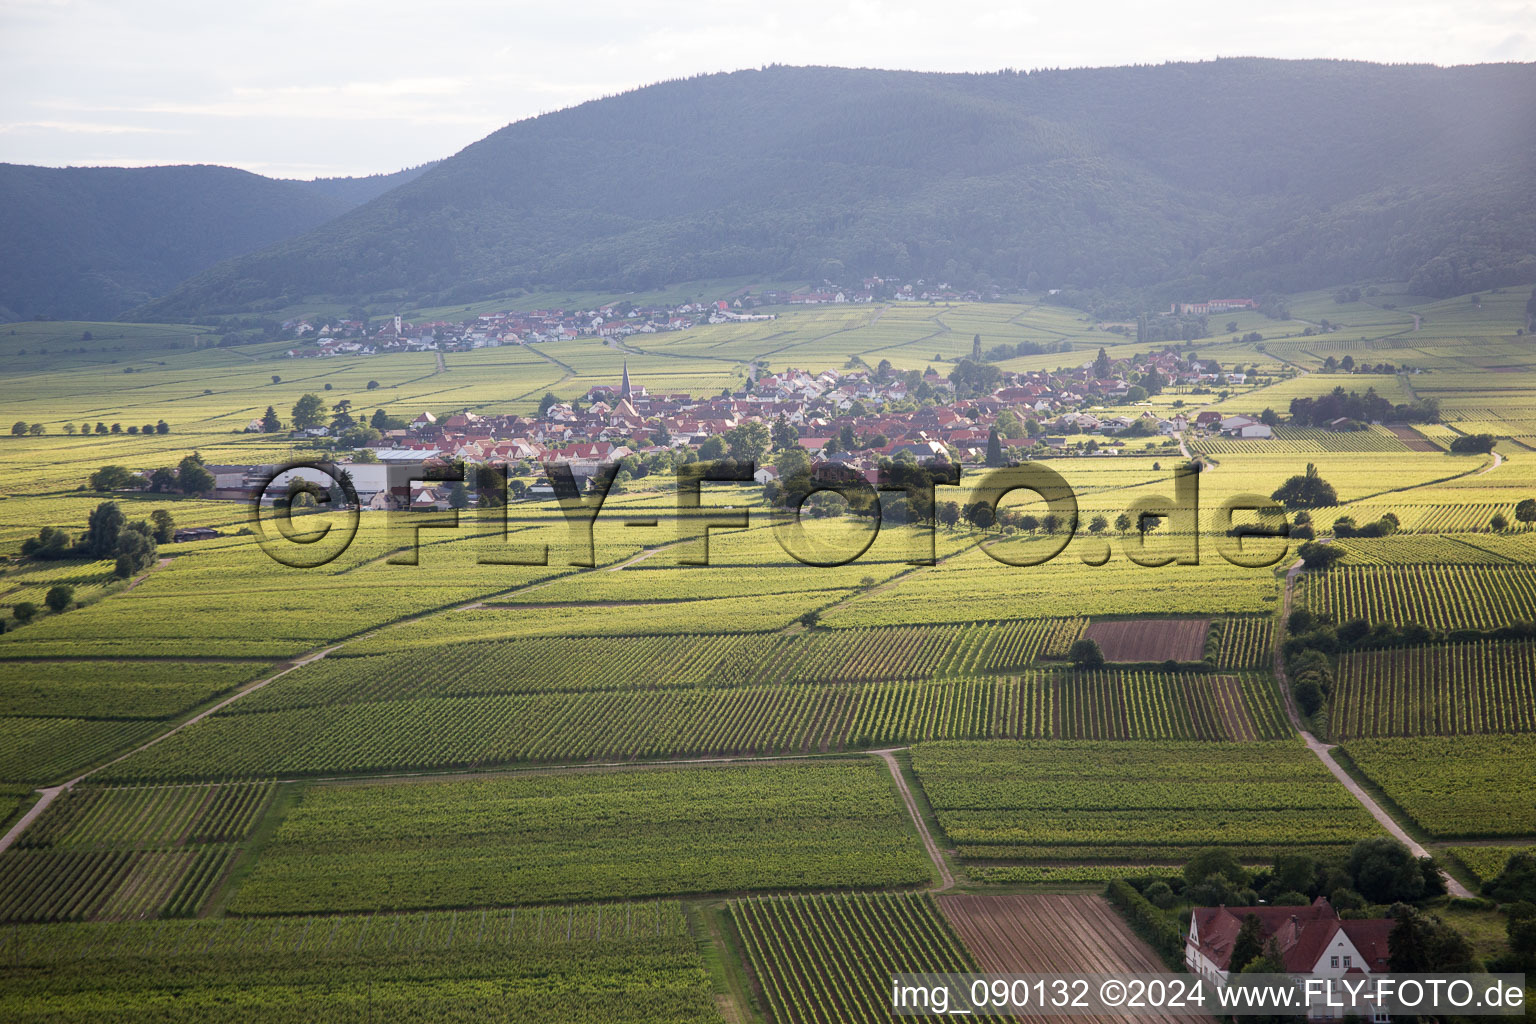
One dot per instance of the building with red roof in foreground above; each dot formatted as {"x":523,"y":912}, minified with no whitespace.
{"x":1312,"y":940}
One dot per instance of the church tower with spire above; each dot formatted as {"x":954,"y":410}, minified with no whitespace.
{"x":624,"y":382}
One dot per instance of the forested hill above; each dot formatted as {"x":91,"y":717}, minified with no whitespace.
{"x":1227,"y":176}
{"x":91,"y":242}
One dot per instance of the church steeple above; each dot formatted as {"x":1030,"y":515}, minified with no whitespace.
{"x":624,"y":382}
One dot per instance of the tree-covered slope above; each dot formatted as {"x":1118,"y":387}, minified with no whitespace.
{"x":1245,"y":175}
{"x":91,"y":242}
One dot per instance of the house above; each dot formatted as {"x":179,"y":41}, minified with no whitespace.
{"x":1312,"y":940}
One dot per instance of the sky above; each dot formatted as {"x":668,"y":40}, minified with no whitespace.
{"x":336,"y":87}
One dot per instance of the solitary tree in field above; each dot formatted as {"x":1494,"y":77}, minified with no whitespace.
{"x":1498,"y":523}
{"x":270,"y":424}
{"x":1306,"y":490}
{"x":19,"y":428}
{"x":60,"y":597}
{"x":1526,"y":512}
{"x":1086,"y":653}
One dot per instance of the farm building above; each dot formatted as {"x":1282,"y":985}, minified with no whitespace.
{"x":1312,"y":940}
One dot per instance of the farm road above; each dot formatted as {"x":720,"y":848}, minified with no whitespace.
{"x":1324,"y":751}
{"x":946,"y":879}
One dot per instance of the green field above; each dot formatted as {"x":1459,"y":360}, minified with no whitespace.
{"x":1137,"y":803}
{"x":602,"y":835}
{"x":472,"y":800}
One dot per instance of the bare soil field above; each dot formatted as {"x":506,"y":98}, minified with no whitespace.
{"x":1414,"y":440}
{"x":1047,"y":934}
{"x":1151,"y":639}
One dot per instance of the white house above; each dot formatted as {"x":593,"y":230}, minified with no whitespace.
{"x":1312,"y":940}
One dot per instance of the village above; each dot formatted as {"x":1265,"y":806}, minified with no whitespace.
{"x":319,"y":338}
{"x":854,"y":419}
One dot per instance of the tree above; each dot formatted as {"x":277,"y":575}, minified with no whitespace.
{"x":994,"y":449}
{"x":712,"y":448}
{"x":102,"y":530}
{"x":59,"y":598}
{"x":162,"y":479}
{"x":19,"y":428}
{"x":976,"y":347}
{"x":50,"y":544}
{"x":948,"y":513}
{"x":1316,"y":555}
{"x":979,"y":514}
{"x":1215,"y":861}
{"x":1249,"y":944}
{"x":1136,"y":393}
{"x":373,"y":385}
{"x":1422,"y":943}
{"x":784,"y":434}
{"x":1498,"y":524}
{"x":308,"y":411}
{"x":1473,"y":444}
{"x":1269,"y":418}
{"x":1517,"y":881}
{"x":458,"y":495}
{"x":110,"y":478}
{"x":164,"y":526}
{"x":1086,"y":653}
{"x":1525,"y":512}
{"x":276,"y":379}
{"x":1521,"y":929}
{"x":1122,"y":522}
{"x":192,"y":478}
{"x":270,"y":424}
{"x":1102,"y":367}
{"x":135,"y":550}
{"x":1385,"y":871}
{"x":37,"y":430}
{"x":1306,"y":490}
{"x":1098,"y":524}
{"x":748,"y":441}
{"x":162,"y":427}
{"x":24,"y":611}
{"x":546,"y":403}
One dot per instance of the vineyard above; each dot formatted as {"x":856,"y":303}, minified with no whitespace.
{"x":48,"y":749}
{"x":538,"y":838}
{"x":560,"y":664}
{"x":1428,"y":691}
{"x":829,"y":959}
{"x":108,"y":885}
{"x":1137,"y":804}
{"x":1421,"y":549}
{"x":116,"y":689}
{"x":1464,"y":787}
{"x":114,"y":854}
{"x":148,"y":817}
{"x":588,"y":964}
{"x":1304,"y":441}
{"x":475,"y":732}
{"x":1485,"y":861}
{"x":1440,"y":597}
{"x":1245,"y":642}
